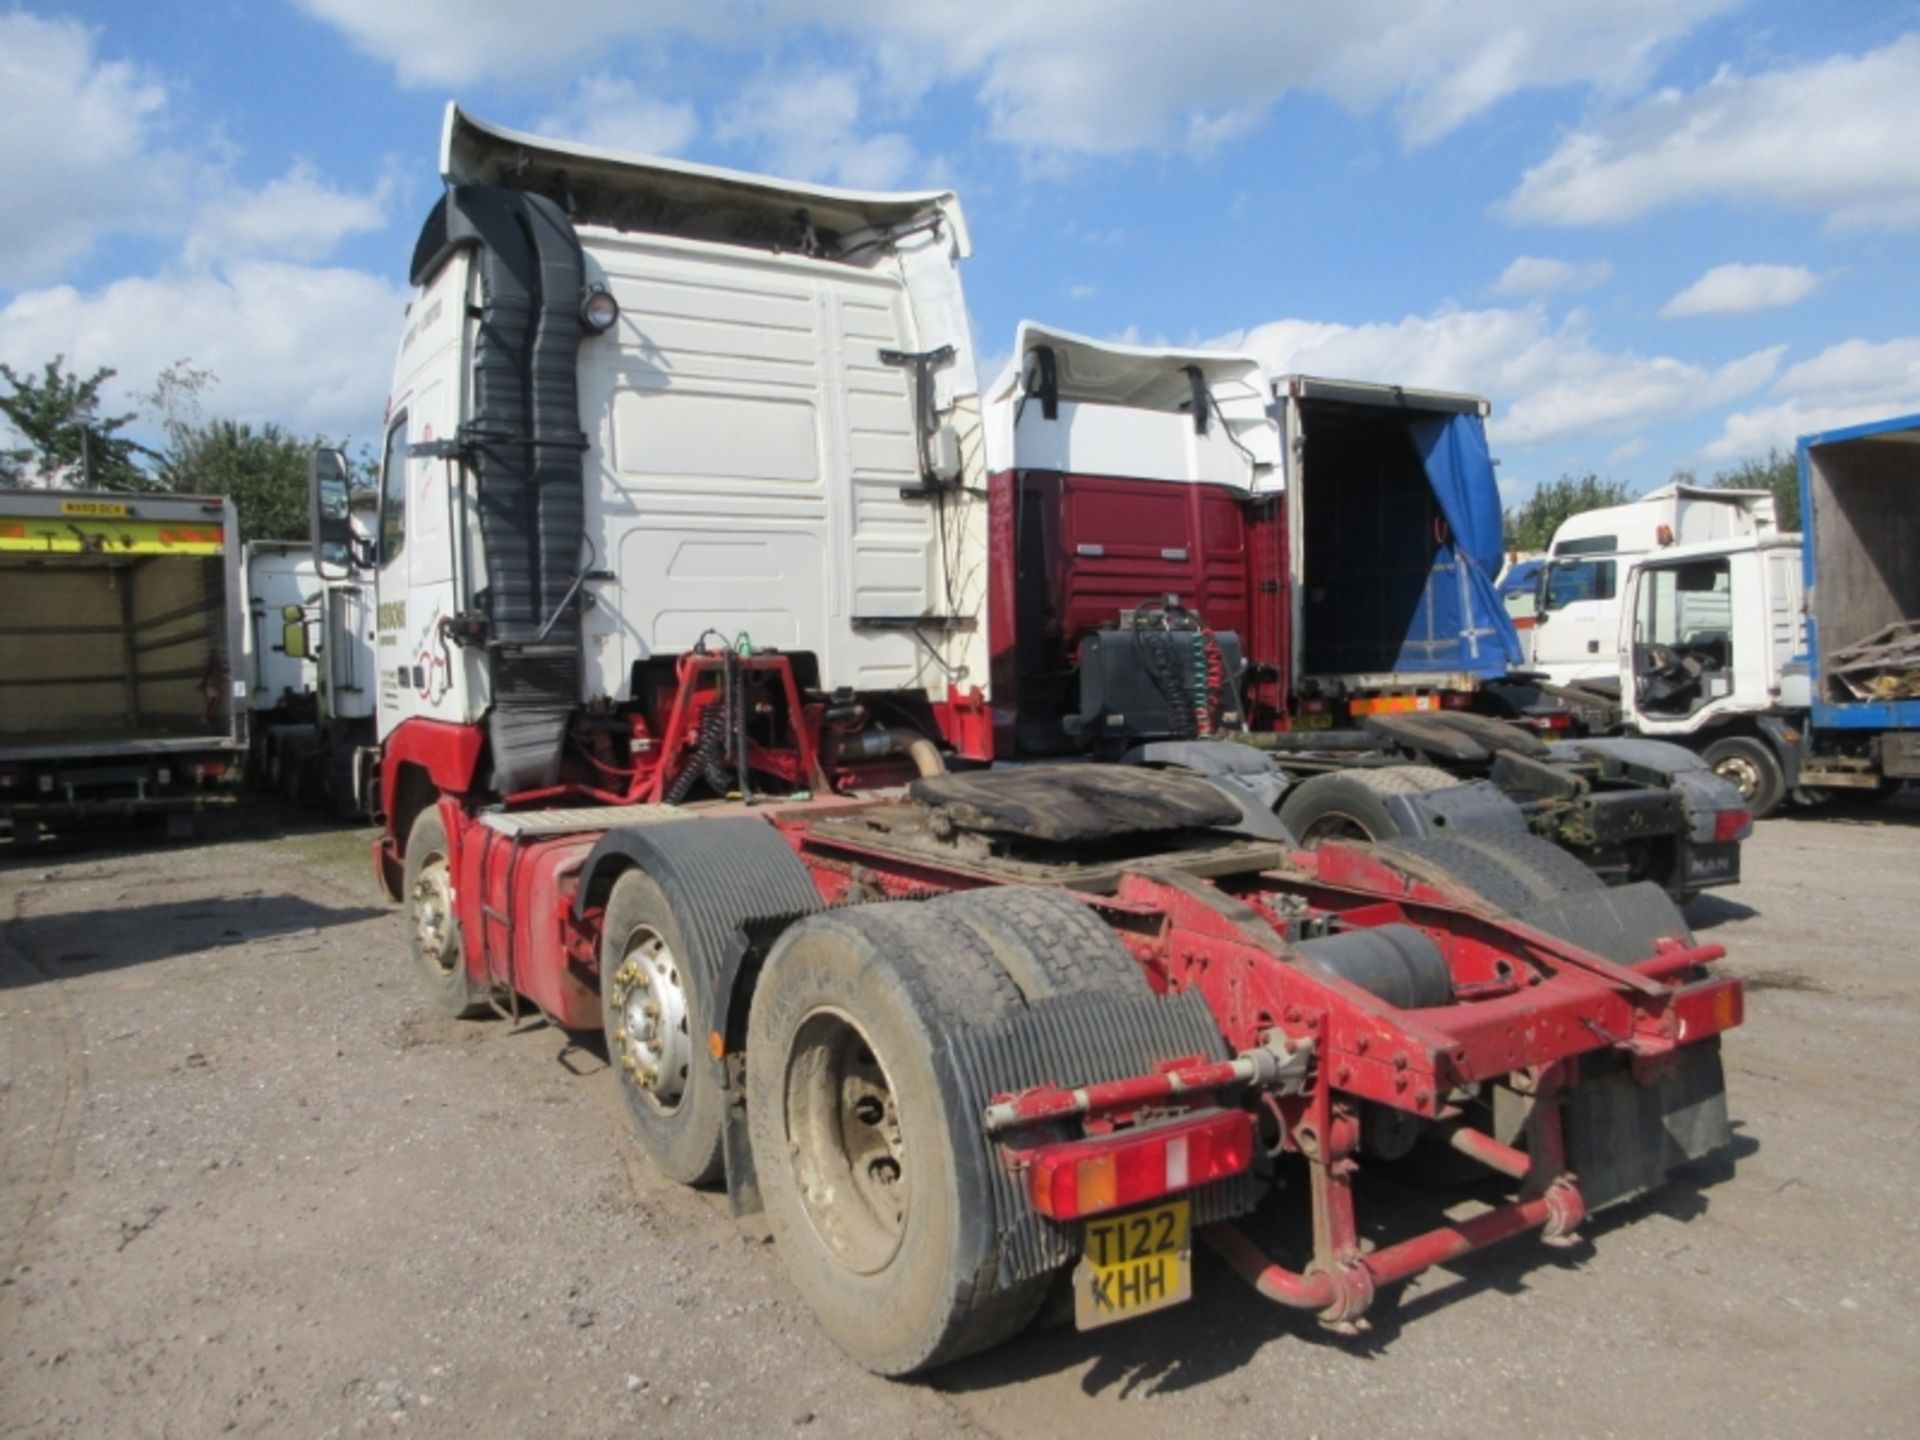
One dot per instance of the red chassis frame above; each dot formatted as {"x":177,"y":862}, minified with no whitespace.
{"x":1527,"y":1009}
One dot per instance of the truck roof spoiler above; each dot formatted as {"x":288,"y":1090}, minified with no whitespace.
{"x":1148,"y":377}
{"x":1365,"y":392}
{"x":678,"y":197}
{"x":1078,"y":369}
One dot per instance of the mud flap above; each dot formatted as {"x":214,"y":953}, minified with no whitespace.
{"x":1623,"y":1136}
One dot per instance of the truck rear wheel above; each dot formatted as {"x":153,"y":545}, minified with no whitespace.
{"x":649,"y":993}
{"x":1751,"y":767}
{"x":1046,"y":941}
{"x":439,"y":952}
{"x":1346,"y":805}
{"x":874,"y":1170}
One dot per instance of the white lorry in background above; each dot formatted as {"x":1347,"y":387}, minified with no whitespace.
{"x":120,"y":625}
{"x":322,"y":754}
{"x":1793,"y":668}
{"x":281,"y":684}
{"x":1571,"y":640}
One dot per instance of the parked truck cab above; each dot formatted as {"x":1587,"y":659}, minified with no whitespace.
{"x":1151,"y":544}
{"x":1575,"y":623}
{"x":660,"y":434}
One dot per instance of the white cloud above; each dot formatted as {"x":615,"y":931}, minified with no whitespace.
{"x":85,"y":153}
{"x":1090,"y":76}
{"x":1845,"y":384}
{"x":613,"y":113}
{"x":807,"y":125}
{"x":1547,"y":382}
{"x":1530,"y":275}
{"x":1834,"y":137}
{"x":80,"y":154}
{"x":297,"y":217}
{"x":308,"y":348}
{"x":1736,"y":289}
{"x":438,"y":43}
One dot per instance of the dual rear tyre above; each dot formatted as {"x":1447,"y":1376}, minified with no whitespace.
{"x":873,"y":1166}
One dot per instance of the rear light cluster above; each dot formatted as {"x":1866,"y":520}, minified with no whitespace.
{"x":207,"y":770}
{"x":1732,"y":825}
{"x":1552,"y":720}
{"x":1076,"y":1178}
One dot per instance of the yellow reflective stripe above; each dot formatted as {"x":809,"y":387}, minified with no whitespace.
{"x":42,"y":536}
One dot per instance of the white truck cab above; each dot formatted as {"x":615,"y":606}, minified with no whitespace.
{"x":644,"y":410}
{"x":1572,"y":637}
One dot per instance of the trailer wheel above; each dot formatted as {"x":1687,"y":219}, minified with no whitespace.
{"x":874,"y":1172}
{"x":1346,"y":805}
{"x":650,"y":990}
{"x":439,"y":953}
{"x":1751,"y":767}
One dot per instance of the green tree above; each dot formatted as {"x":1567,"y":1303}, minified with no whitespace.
{"x":69,"y":444}
{"x":1779,"y":472}
{"x":1530,"y":525}
{"x":262,"y":471}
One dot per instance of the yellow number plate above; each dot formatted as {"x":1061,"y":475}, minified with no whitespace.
{"x":107,"y":508}
{"x":1313,"y":722}
{"x":1133,"y":1264}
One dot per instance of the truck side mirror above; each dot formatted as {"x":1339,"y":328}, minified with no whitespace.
{"x":329,"y":497}
{"x":293,"y":632}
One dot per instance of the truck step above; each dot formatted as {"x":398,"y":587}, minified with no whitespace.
{"x":517,"y":823}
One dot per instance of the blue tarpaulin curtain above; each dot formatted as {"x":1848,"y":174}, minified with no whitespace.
{"x":1453,"y":448}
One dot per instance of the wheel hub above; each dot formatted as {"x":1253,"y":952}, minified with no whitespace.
{"x":1741,"y":773}
{"x":433,"y":914}
{"x":650,"y":1030}
{"x":844,"y":1138}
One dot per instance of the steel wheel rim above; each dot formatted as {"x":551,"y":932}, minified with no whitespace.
{"x":649,"y":1023}
{"x":433,"y":922}
{"x":844,"y":1142}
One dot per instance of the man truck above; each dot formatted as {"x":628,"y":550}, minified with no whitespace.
{"x":122,"y":623}
{"x":682,"y":572}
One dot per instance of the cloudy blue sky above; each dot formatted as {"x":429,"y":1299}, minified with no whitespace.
{"x":1657,"y":233}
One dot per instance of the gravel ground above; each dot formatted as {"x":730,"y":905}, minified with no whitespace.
{"x":249,"y":1185}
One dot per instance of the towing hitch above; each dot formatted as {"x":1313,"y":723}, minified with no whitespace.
{"x":1341,"y":1282}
